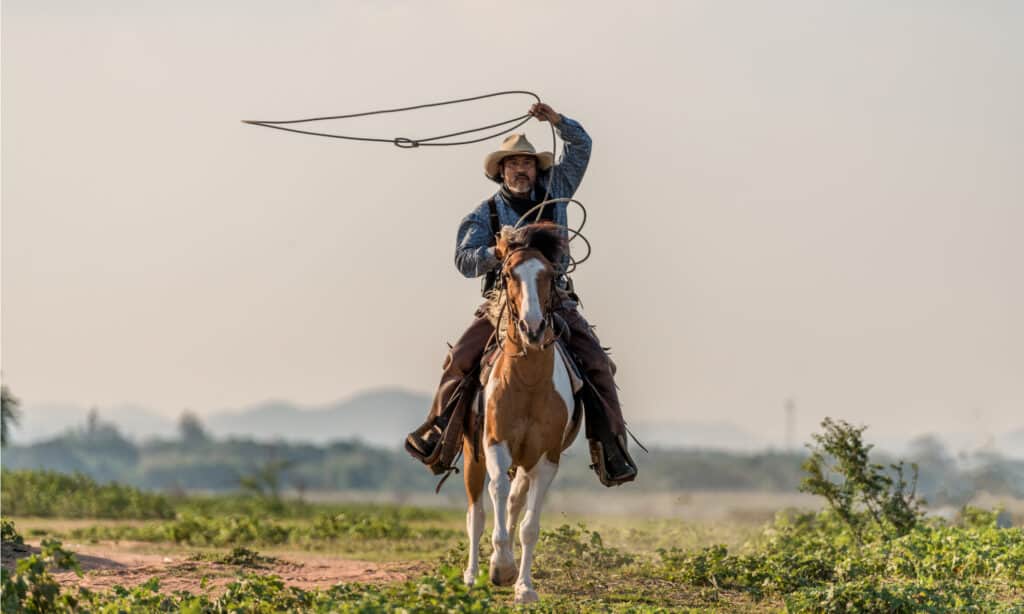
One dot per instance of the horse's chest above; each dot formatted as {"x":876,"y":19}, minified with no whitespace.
{"x":516,"y":401}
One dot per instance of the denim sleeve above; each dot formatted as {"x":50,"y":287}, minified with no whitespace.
{"x":568,"y":173}
{"x":473,"y":254}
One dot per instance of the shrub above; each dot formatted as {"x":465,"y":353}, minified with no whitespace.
{"x":31,"y":588}
{"x":52,"y":494}
{"x":859,"y":491}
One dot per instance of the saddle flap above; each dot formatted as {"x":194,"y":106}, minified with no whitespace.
{"x":570,"y":365}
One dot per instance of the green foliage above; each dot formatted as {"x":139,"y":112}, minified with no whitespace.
{"x":859,"y":491}
{"x":234,"y":530}
{"x":243,"y":557}
{"x":812,"y":557}
{"x":442,"y":592}
{"x":9,"y":414}
{"x":568,"y":549}
{"x":249,"y":505}
{"x":8,"y":533}
{"x":869,"y":551}
{"x":32,"y":588}
{"x":51,"y":494}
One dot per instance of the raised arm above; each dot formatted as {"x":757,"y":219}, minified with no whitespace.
{"x":566,"y":176}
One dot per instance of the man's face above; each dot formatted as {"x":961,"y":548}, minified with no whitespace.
{"x":519,"y":173}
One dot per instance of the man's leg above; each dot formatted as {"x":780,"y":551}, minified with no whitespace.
{"x":606,"y":428}
{"x":462,"y":360}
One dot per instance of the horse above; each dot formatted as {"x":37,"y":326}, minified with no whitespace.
{"x":527,"y":406}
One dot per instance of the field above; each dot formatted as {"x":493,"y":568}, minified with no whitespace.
{"x":857,"y":539}
{"x":699,"y":551}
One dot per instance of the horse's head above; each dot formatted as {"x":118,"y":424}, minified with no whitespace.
{"x":528,"y":271}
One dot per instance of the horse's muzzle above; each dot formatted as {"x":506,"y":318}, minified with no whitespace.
{"x":532,"y":337}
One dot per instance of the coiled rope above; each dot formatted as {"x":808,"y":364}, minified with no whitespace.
{"x":439,"y":141}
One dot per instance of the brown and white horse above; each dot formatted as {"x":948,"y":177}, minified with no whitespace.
{"x":528,"y":402}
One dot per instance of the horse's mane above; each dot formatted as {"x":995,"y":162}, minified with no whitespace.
{"x":545,"y":237}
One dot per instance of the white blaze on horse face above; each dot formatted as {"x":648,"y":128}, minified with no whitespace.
{"x":530,"y":309}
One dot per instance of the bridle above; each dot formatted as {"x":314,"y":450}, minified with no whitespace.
{"x":511,"y":311}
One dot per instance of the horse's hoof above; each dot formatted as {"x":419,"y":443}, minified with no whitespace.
{"x":503,"y":573}
{"x":469,"y":578}
{"x":526,"y":595}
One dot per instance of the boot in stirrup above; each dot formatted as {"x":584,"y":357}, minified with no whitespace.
{"x":422,"y":443}
{"x":612,"y":462}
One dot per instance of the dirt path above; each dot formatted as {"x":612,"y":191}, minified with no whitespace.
{"x":129,"y":564}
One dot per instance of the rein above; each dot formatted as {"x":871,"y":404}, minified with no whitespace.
{"x":513,"y":312}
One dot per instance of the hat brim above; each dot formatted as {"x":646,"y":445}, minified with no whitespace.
{"x":544,"y":162}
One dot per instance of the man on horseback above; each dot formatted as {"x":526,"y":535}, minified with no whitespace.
{"x":525,"y":176}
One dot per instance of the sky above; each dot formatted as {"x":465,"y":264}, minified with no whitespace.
{"x":795,"y":199}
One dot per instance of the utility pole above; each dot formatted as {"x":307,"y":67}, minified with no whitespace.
{"x":790,"y":424}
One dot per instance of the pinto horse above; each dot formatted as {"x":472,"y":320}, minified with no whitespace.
{"x":527,"y":403}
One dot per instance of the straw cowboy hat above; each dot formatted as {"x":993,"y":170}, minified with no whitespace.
{"x":515,"y":145}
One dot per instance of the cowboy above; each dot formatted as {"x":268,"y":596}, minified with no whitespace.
{"x":525,"y":176}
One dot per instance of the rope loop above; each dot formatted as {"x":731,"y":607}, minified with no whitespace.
{"x":440,"y":141}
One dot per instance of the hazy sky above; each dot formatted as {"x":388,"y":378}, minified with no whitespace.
{"x":817,"y":199}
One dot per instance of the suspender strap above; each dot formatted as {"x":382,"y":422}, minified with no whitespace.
{"x":495,"y":222}
{"x":491,"y":278}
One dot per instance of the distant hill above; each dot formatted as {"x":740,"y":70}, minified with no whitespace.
{"x":48,"y":420}
{"x":380,"y":417}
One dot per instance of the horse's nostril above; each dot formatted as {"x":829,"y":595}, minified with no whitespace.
{"x":523,"y":327}
{"x":543,"y":325}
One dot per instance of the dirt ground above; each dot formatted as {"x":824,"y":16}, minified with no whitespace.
{"x":132,"y":563}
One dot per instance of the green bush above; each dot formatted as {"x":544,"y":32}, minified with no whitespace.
{"x":870,"y":550}
{"x":52,"y":494}
{"x":8,"y":533}
{"x":31,"y":588}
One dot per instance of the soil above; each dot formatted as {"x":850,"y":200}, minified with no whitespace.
{"x":129,"y":564}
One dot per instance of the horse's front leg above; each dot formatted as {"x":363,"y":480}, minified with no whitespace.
{"x":503,"y":564}
{"x":529,"y":532}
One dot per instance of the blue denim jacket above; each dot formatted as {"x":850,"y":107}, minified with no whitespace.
{"x":473,"y":254}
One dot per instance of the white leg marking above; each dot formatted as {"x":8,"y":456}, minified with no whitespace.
{"x":475,"y":528}
{"x":517,"y":498}
{"x":529,"y":532}
{"x":503,"y":563}
{"x":530,"y":309}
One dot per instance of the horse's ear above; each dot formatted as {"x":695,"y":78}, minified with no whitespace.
{"x":501,"y":248}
